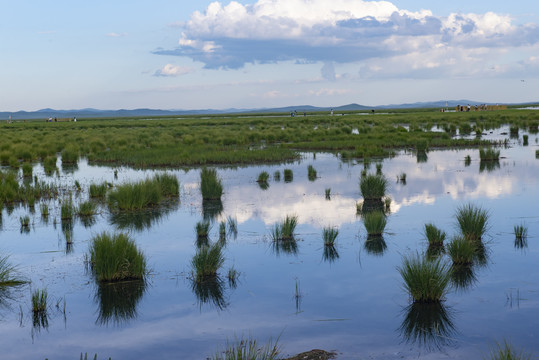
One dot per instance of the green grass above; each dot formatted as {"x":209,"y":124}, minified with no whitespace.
{"x":520,"y":231}
{"x":8,"y":273}
{"x":87,"y":208}
{"x":249,"y":349}
{"x":169,"y":185}
{"x":467,"y":160}
{"x":375,"y":223}
{"x":461,"y":250}
{"x":27,"y":170}
{"x":98,"y":190}
{"x":329,"y":234}
{"x":44,"y":209}
{"x":144,"y":194}
{"x":67,"y":209}
{"x":311,"y":173}
{"x":288,"y":175}
{"x":472,"y":221}
{"x":328,"y":193}
{"x":277,"y":176}
{"x":263,"y":177}
{"x":232,"y":225}
{"x":115,"y":257}
{"x":202,"y":229}
{"x":402,"y":178}
{"x":489,"y":154}
{"x":287,"y":227}
{"x":426,"y":281}
{"x":507,"y":352}
{"x":25,"y":220}
{"x":39,"y":301}
{"x":206,"y":262}
{"x":373,"y":187}
{"x":211,"y":186}
{"x":525,"y":140}
{"x":434,"y":236}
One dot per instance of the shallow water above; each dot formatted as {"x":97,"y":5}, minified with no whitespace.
{"x":350,"y":301}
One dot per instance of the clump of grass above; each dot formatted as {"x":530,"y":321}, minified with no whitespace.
{"x":25,"y":220}
{"x":232,"y":225}
{"x":98,"y":190}
{"x":206,"y":262}
{"x":402,"y":178}
{"x":202,"y":229}
{"x":507,"y":352}
{"x":328,"y":193}
{"x":115,"y":258}
{"x":222,"y":230}
{"x":426,"y":281}
{"x":379,"y":169}
{"x":288,"y":226}
{"x":248,"y":349}
{"x":277,"y":176}
{"x":39,"y":301}
{"x":169,"y":185}
{"x":525,"y":140}
{"x":387,"y":204}
{"x":143,"y":194}
{"x":44,"y":209}
{"x":467,"y":160}
{"x":49,"y":164}
{"x":8,"y":273}
{"x":489,"y":154}
{"x":329,"y":234}
{"x":70,"y":155}
{"x":87,"y":208}
{"x":434,"y":236}
{"x":67,"y":210}
{"x":520,"y":231}
{"x":472,"y":220}
{"x":311,"y":173}
{"x":210,"y":184}
{"x":288,"y":175}
{"x":461,"y":251}
{"x":373,"y":186}
{"x":375,"y":223}
{"x":263,"y":177}
{"x":27,"y":170}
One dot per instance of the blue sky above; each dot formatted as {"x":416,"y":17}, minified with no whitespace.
{"x":184,"y":54}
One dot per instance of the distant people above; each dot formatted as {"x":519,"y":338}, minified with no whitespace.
{"x":468,"y":108}
{"x":55,"y":119}
{"x":50,"y":119}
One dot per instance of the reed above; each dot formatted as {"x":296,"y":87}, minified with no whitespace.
{"x":277,"y":176}
{"x":507,"y":352}
{"x":434,"y":236}
{"x":169,"y":185}
{"x":8,"y":273}
{"x":461,"y":251}
{"x":70,"y":155}
{"x":25,"y":221}
{"x":249,"y":349}
{"x":232,"y":225}
{"x":263,"y":177}
{"x":375,"y":223}
{"x":67,"y":209}
{"x":472,"y":220}
{"x":210,"y":184}
{"x":311,"y":173}
{"x":520,"y":231}
{"x":402,"y":178}
{"x":98,"y":190}
{"x":525,"y":140}
{"x":202,"y":229}
{"x":39,"y":301}
{"x":44,"y":209}
{"x":116,"y":258}
{"x":136,"y":196}
{"x":328,"y":193}
{"x":426,"y":281}
{"x":288,"y":175}
{"x":467,"y":160}
{"x":373,"y":187}
{"x":86,"y":209}
{"x":489,"y":154}
{"x":27,"y":170}
{"x":206,"y":262}
{"x":329,"y":235}
{"x":288,"y":226}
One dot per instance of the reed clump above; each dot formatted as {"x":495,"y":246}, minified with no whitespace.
{"x":263,"y":177}
{"x":461,"y":250}
{"x":288,"y":175}
{"x":426,"y":281}
{"x":115,"y":257}
{"x":8,"y":273}
{"x":472,"y":220}
{"x":520,"y":231}
{"x":311,"y":173}
{"x":489,"y":154}
{"x":373,"y":187}
{"x":39,"y":302}
{"x":285,"y":230}
{"x":434,"y":236}
{"x":87,"y":208}
{"x":206,"y":262}
{"x":507,"y":352}
{"x":249,"y":349}
{"x":98,"y":190}
{"x":329,"y":234}
{"x":143,"y":194}
{"x":211,"y":185}
{"x":67,"y":209}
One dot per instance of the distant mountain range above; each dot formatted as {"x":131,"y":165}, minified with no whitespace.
{"x":95,"y":113}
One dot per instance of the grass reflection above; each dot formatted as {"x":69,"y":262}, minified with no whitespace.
{"x":375,"y":245}
{"x":330,"y":254}
{"x":463,"y":277}
{"x":141,"y":220}
{"x":211,"y":209}
{"x":428,"y":325}
{"x":210,"y":291}
{"x":118,"y":301}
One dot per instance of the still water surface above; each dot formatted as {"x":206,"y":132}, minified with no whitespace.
{"x":351,"y":300}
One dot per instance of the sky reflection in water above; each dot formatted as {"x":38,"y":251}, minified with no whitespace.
{"x":351,"y":295}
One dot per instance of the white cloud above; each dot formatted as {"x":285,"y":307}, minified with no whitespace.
{"x":342,"y":31}
{"x":173,"y":70}
{"x":116,"y":35}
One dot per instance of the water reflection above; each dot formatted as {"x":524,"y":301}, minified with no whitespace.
{"x":521,"y":243}
{"x":70,"y":168}
{"x":211,"y":209}
{"x":210,"y":291}
{"x":118,"y":301}
{"x":287,"y":247}
{"x":370,"y":205}
{"x":434,"y":251}
{"x":142,"y":219}
{"x":375,"y":245}
{"x":422,"y":157}
{"x":88,"y":221}
{"x":330,"y":253}
{"x":463,"y":277}
{"x":264,"y":185}
{"x":429,"y":326}
{"x":489,"y":165}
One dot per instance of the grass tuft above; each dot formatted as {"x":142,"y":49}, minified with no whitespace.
{"x":248,"y":349}
{"x":472,"y":221}
{"x":427,"y":281}
{"x":520,"y":231}
{"x":329,"y":234}
{"x":375,"y":223}
{"x":507,"y":352}
{"x":489,"y":154}
{"x":116,"y":258}
{"x":8,"y":272}
{"x":434,"y":236}
{"x":211,"y":186}
{"x":207,"y":261}
{"x":461,"y":251}
{"x":311,"y":173}
{"x":373,"y":187}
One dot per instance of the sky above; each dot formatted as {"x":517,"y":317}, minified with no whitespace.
{"x":185,"y":54}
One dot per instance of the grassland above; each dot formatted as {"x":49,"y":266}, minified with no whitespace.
{"x":234,"y":139}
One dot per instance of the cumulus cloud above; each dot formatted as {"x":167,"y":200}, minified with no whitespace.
{"x":340,"y":31}
{"x":173,"y":70}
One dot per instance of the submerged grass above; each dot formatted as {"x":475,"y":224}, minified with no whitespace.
{"x":472,"y":220}
{"x":426,"y":281}
{"x":116,"y":257}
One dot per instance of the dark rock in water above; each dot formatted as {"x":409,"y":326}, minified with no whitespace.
{"x":314,"y":355}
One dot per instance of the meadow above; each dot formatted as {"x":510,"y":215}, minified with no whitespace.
{"x":317,"y":232}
